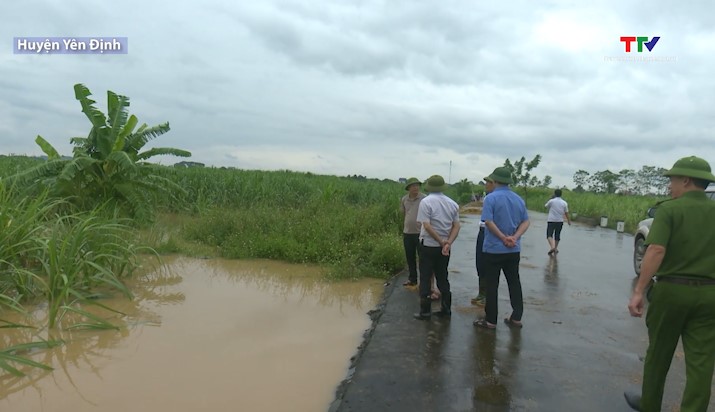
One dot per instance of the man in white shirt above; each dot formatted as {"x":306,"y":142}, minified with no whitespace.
{"x":439,"y":216}
{"x":558,"y":211}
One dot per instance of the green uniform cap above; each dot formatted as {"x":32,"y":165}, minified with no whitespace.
{"x":435,"y":184}
{"x":411,"y":181}
{"x":691,"y":166}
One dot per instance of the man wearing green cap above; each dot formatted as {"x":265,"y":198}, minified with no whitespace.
{"x":409,"y":204}
{"x":681,"y":255}
{"x":506,"y":219}
{"x":439,"y":216}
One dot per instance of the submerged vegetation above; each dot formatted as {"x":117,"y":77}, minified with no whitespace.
{"x":60,"y":258}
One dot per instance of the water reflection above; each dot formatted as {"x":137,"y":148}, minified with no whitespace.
{"x":495,"y":370}
{"x":155,"y":285}
{"x":551,"y":271}
{"x":620,"y":239}
{"x":437,"y":335}
{"x":84,"y":348}
{"x":240,"y":322}
{"x":281,"y":280}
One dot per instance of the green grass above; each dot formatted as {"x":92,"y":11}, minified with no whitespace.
{"x":355,"y":241}
{"x":61,"y":258}
{"x":352,"y":226}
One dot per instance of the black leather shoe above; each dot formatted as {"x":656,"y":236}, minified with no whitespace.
{"x":423,"y":316}
{"x":633,"y":400}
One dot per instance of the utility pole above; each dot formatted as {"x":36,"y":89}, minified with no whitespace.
{"x":449,"y":180}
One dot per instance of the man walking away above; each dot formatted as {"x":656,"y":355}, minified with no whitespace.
{"x":682,"y":300}
{"x":505,"y":216}
{"x":409,"y":205}
{"x":439,"y":216}
{"x":558,"y":211}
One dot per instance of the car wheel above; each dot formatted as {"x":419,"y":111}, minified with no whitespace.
{"x":638,"y":253}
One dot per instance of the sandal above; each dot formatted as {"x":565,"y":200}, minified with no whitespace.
{"x":482,"y":323}
{"x":409,"y":283}
{"x":480,"y":300}
{"x":512,"y":322}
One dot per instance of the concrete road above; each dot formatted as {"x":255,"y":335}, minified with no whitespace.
{"x":579,"y":348}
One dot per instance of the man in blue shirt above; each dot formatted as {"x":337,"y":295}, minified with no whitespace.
{"x":504,"y":214}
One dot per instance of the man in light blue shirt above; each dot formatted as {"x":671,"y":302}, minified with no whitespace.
{"x":504,"y":214}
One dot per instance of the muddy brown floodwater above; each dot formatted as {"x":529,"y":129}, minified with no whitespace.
{"x":212,"y":335}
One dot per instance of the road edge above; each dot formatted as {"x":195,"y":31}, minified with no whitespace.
{"x":375,"y":315}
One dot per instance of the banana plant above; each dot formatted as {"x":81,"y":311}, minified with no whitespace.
{"x":110,"y":164}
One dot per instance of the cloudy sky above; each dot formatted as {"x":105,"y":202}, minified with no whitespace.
{"x":385,"y":89}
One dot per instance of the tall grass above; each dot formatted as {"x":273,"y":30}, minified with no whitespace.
{"x":355,"y":241}
{"x":83,"y":253}
{"x":353,"y":226}
{"x":236,"y":188}
{"x":298,"y":216}
{"x":64,"y":258}
{"x":11,"y":165}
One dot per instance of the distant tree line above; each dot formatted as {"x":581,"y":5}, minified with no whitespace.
{"x":649,"y":180}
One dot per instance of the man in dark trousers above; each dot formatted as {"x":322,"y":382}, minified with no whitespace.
{"x":439,"y":216}
{"x":681,"y":255}
{"x":409,"y":205}
{"x":481,"y":298}
{"x":558,"y":211}
{"x":504,"y":214}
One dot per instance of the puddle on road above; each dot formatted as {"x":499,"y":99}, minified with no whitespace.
{"x":206,"y":335}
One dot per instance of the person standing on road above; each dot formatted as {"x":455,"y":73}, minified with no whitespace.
{"x":506,"y":219}
{"x":558,"y":211}
{"x":409,"y":205}
{"x":481,"y":298}
{"x":439,"y":216}
{"x":680,"y":255}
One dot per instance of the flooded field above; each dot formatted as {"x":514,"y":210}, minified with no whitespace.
{"x":205,"y":335}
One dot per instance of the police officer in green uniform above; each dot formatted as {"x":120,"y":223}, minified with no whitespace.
{"x":681,"y":255}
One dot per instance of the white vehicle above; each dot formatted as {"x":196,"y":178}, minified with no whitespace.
{"x":644,"y":227}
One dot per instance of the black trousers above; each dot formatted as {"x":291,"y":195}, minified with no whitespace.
{"x":479,"y":253}
{"x":412,"y":250}
{"x":553,"y":229}
{"x":494,"y":264}
{"x":432,"y":262}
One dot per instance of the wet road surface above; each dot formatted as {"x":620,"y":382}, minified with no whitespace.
{"x":578,"y":350}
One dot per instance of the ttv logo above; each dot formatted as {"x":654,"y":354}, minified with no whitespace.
{"x":641,"y":41}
